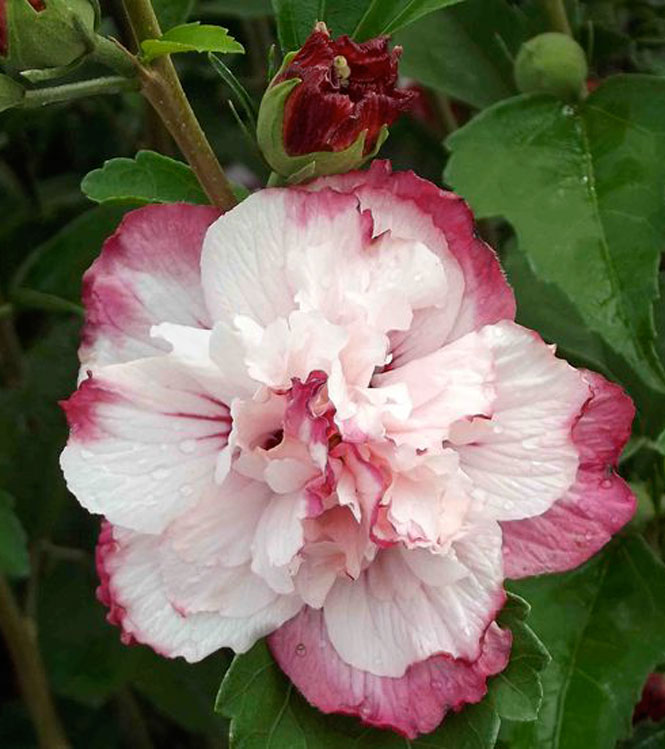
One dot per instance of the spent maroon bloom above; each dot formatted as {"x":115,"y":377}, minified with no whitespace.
{"x":652,"y":703}
{"x":4,"y":33}
{"x":346,"y":88}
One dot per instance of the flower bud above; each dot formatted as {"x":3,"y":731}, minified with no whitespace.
{"x":329,"y":107}
{"x":40,"y":34}
{"x":551,"y":63}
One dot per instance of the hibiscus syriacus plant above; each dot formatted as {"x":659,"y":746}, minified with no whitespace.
{"x":328,"y":445}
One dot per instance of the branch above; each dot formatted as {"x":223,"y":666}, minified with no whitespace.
{"x":161,"y":87}
{"x":21,"y":638}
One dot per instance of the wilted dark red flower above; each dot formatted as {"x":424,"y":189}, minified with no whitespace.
{"x":4,"y":34}
{"x":346,"y":88}
{"x":652,"y":703}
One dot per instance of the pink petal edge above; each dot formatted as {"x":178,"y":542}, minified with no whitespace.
{"x":106,"y":547}
{"x":155,"y":250}
{"x":413,"y":704}
{"x":598,"y":504}
{"x":487,"y":290}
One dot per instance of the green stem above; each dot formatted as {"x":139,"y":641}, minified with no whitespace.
{"x":113,"y":56}
{"x":40,"y":97}
{"x":556,"y":12}
{"x":161,"y":87}
{"x":21,"y":638}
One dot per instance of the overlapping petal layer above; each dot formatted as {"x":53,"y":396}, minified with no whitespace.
{"x":318,"y":419}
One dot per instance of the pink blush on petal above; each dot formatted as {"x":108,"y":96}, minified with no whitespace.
{"x":413,"y":704}
{"x":80,"y":409}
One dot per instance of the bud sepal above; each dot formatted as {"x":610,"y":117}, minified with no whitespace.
{"x":295,"y":169}
{"x":54,"y":34}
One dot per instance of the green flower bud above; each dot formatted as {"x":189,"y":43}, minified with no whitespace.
{"x":551,"y":63}
{"x":55,"y":35}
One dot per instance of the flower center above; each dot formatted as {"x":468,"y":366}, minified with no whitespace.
{"x":342,"y":70}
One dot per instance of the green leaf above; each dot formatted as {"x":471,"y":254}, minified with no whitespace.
{"x":544,"y":307}
{"x":583,"y":189}
{"x":235,"y":9}
{"x":171,"y":13}
{"x":14,"y":559}
{"x":238,"y":90}
{"x":362,"y":20}
{"x":191,"y":37}
{"x":56,"y":267}
{"x":516,"y":692}
{"x":83,"y":654}
{"x":11,"y":93}
{"x":266,"y":710}
{"x":466,"y":51}
{"x":184,"y":692}
{"x":295,"y":21}
{"x":147,"y":178}
{"x":388,"y":16}
{"x":604,"y":625}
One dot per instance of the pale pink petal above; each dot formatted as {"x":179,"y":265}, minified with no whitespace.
{"x":279,"y":537}
{"x":132,"y":586}
{"x":148,"y":273}
{"x":412,"y":208}
{"x":205,"y":555}
{"x":246,"y":251}
{"x":220,"y":529}
{"x":427,"y":503}
{"x":445,"y":386}
{"x":412,"y":704}
{"x":144,"y":440}
{"x":524,"y":459}
{"x":403,"y":611}
{"x":597,"y":505}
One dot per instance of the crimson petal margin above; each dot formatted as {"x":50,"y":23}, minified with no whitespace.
{"x":147,"y":273}
{"x":412,"y":704}
{"x":598,"y":504}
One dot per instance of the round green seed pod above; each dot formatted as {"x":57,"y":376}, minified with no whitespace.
{"x":551,"y":63}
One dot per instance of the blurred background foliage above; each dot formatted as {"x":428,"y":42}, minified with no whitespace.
{"x":461,"y":61}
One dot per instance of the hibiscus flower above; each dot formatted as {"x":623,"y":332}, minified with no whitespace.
{"x":314,"y":418}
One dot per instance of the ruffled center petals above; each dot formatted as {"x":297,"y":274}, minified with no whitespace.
{"x":453,"y":383}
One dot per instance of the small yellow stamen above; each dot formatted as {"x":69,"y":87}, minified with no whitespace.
{"x":342,"y":69}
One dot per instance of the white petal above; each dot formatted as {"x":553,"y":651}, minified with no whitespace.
{"x":147,"y":614}
{"x":143,"y":444}
{"x":524,"y":459}
{"x":409,"y":605}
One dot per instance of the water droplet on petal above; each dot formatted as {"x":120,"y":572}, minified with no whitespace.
{"x":301,"y":649}
{"x":188,"y":446}
{"x":159,"y":474}
{"x":606,"y":484}
{"x":186,"y":490}
{"x":588,"y":535}
{"x":86,"y":454}
{"x":436,"y":684}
